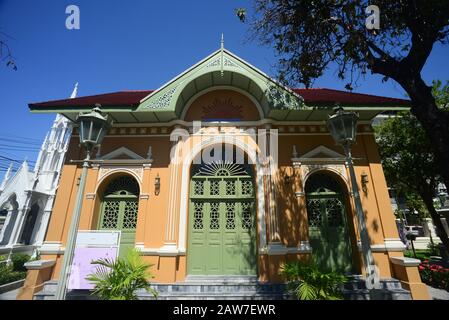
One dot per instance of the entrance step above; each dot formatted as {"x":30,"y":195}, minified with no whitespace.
{"x":390,"y":289}
{"x":225,"y":289}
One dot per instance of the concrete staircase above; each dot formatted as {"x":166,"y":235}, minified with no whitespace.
{"x":391,"y":289}
{"x":240,"y":288}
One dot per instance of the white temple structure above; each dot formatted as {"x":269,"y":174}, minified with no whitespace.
{"x":27,"y":196}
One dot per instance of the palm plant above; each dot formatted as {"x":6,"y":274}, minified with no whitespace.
{"x":307,"y":282}
{"x":120,"y":279}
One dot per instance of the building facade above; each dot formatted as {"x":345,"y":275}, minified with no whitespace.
{"x":27,"y":196}
{"x":225,"y":172}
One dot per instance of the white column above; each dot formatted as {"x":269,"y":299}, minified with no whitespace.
{"x":40,"y":236}
{"x":170,"y":228}
{"x":5,"y":225}
{"x":18,"y":226}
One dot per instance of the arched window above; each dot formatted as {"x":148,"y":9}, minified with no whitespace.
{"x":119,"y":209}
{"x":327,"y":218}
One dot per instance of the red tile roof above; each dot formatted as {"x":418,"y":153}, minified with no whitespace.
{"x":120,"y":98}
{"x":323,"y":95}
{"x":133,"y":98}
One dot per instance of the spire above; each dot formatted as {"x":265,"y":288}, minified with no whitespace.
{"x":222,"y":56}
{"x":6,"y":177}
{"x":74,"y":92}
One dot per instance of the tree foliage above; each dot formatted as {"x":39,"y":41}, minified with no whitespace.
{"x":120,"y":279}
{"x":307,"y":282}
{"x":408,"y":160}
{"x":309,"y":36}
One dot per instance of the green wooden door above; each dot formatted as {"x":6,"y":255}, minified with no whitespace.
{"x":328,"y":229}
{"x":222,"y":222}
{"x":119,"y":211}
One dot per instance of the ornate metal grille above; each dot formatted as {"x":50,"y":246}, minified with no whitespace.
{"x":230,"y":215}
{"x":247,"y":187}
{"x":198,"y":215}
{"x":198,"y":187}
{"x":130,"y":215}
{"x":110,"y":215}
{"x":314,"y":212}
{"x":214,"y":187}
{"x":247,"y":221}
{"x":214,"y":216}
{"x":334,"y":209}
{"x":230,"y":187}
{"x":123,"y":185}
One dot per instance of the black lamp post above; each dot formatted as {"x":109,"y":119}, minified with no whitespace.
{"x":92,"y":129}
{"x":342,"y":126}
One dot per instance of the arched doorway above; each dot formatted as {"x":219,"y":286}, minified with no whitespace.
{"x":12,"y":206}
{"x":222,"y":220}
{"x":29,"y":224}
{"x":119,"y":207}
{"x":328,"y":223}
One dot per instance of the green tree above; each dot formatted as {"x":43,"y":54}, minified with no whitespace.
{"x":120,"y":279}
{"x":409,"y":164}
{"x":310,"y":35}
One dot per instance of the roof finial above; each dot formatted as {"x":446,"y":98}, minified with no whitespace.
{"x":75,"y":91}
{"x":222,"y":41}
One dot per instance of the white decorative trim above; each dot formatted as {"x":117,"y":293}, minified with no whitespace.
{"x":121,"y":151}
{"x":90,"y":195}
{"x":144,"y":196}
{"x":389,"y":245}
{"x":39,"y":264}
{"x":404,"y":261}
{"x":299,"y":194}
{"x":220,"y":138}
{"x":275,"y":249}
{"x":167,"y":250}
{"x":51,"y":248}
{"x":135,"y":171}
{"x":323,"y":150}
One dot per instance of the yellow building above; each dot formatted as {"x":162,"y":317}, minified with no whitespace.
{"x":224,"y":172}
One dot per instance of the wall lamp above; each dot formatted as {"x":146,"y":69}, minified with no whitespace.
{"x":364,"y":178}
{"x":157,"y":185}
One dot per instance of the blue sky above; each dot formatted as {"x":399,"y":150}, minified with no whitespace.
{"x":127,"y":45}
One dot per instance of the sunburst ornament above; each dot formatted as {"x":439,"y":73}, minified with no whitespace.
{"x":222,"y":169}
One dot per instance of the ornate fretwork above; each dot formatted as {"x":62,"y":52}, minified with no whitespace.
{"x":163,"y":101}
{"x":334,"y":209}
{"x":314,"y":212}
{"x":198,"y":187}
{"x":247,"y":221}
{"x":214,"y":187}
{"x":214,"y":216}
{"x":198,"y":215}
{"x":137,"y":171}
{"x":230,"y":215}
{"x":123,"y":185}
{"x":247,"y":187}
{"x":230,"y":187}
{"x":222,"y":169}
{"x":110,"y":215}
{"x":130,"y":215}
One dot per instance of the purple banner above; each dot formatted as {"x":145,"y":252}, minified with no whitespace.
{"x":82,"y":265}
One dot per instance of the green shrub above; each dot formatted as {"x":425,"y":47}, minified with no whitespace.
{"x":307,"y":282}
{"x":18,"y":261}
{"x":120,"y":279}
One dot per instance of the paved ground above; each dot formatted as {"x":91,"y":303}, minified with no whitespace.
{"x":10,"y":295}
{"x":438,"y":294}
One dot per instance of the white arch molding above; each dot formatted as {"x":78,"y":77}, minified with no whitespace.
{"x":104,"y":173}
{"x":222,"y":87}
{"x":183,"y":225}
{"x":339,"y":170}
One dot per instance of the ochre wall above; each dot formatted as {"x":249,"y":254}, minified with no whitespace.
{"x":292,"y":215}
